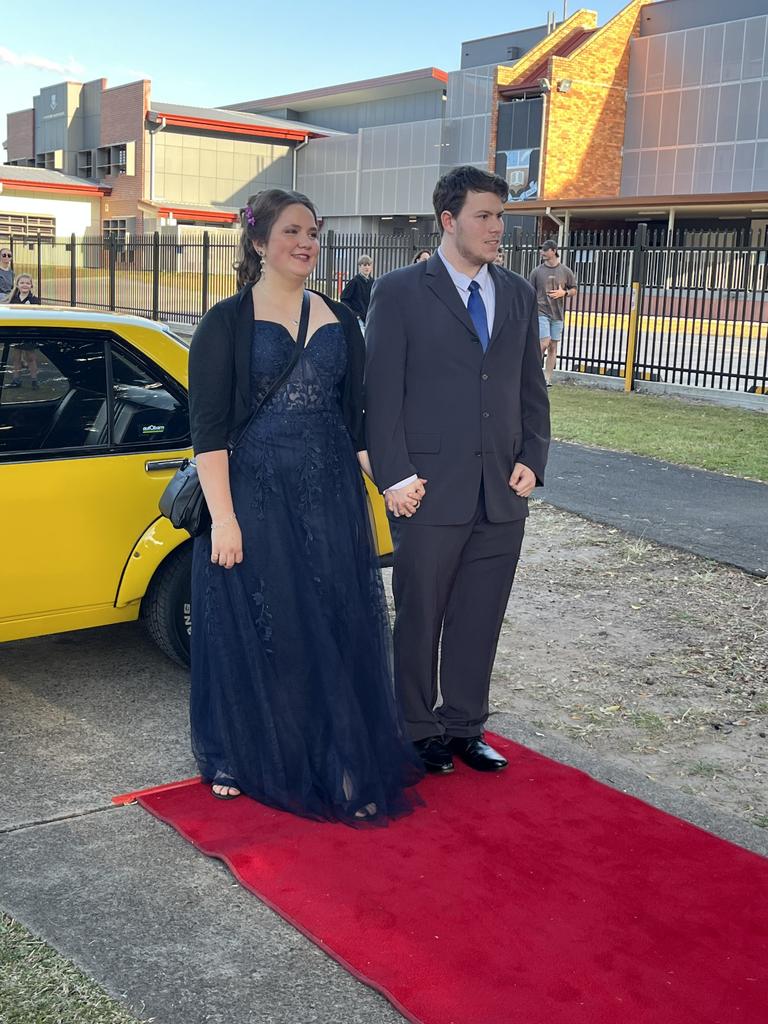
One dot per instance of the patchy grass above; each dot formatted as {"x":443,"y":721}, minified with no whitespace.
{"x":38,"y":986}
{"x":690,"y":433}
{"x":652,"y":658}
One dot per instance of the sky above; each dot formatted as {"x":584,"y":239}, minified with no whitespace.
{"x":214,"y":52}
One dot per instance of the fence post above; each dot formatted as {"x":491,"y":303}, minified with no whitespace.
{"x":155,"y":274}
{"x":39,"y":265}
{"x":112,"y":253}
{"x":516,"y":250}
{"x":636,"y":300}
{"x":330,"y":261}
{"x":206,"y":268}
{"x":72,"y":270}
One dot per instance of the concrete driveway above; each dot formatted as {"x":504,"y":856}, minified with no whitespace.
{"x":164,"y":929}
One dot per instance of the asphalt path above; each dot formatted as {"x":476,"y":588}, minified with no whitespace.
{"x":724,"y":518}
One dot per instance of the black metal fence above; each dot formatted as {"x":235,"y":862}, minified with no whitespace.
{"x":687,"y":309}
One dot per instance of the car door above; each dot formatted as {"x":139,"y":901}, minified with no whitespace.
{"x":75,"y":494}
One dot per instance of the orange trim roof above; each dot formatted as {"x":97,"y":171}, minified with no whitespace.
{"x":190,"y":213}
{"x":25,"y":185}
{"x":234,"y":127}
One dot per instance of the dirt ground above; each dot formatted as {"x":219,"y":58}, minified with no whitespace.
{"x":653,"y":658}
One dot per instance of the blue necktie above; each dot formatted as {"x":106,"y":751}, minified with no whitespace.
{"x":476,"y":310}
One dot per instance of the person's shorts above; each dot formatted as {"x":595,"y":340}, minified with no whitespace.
{"x":549,"y":328}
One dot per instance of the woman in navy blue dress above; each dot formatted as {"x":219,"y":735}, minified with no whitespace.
{"x":292,"y":699}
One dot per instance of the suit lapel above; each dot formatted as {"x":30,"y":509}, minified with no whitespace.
{"x":503,"y":303}
{"x":439,"y":280}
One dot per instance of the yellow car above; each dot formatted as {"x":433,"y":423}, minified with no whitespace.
{"x":93,"y":423}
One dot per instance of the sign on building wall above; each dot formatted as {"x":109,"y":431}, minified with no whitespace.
{"x":518,"y":146}
{"x":519,"y":168}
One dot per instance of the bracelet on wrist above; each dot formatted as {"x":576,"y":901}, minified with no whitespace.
{"x":229,"y":521}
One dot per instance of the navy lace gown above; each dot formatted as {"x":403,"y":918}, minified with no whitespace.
{"x":292,"y":693}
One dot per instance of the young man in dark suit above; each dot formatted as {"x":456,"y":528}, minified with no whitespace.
{"x":458,"y":434}
{"x":357,"y":291}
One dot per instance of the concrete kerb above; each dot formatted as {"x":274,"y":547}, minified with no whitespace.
{"x":714,"y":396}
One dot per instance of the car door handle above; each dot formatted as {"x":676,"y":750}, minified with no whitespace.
{"x":157,"y":465}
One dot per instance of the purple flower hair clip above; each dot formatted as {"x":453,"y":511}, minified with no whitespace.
{"x":247,"y":212}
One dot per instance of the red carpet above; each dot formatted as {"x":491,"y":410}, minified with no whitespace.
{"x":537,"y":896}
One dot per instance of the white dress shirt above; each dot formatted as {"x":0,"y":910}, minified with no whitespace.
{"x":487,"y":294}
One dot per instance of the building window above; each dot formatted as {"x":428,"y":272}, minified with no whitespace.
{"x":52,"y":161}
{"x":104,"y":161}
{"x":20,"y":225}
{"x":120,"y":229}
{"x":118,"y":159}
{"x":85,"y":163}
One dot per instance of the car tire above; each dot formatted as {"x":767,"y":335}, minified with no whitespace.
{"x":166,"y":608}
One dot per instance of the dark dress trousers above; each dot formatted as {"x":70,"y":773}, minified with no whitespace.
{"x":440,"y":407}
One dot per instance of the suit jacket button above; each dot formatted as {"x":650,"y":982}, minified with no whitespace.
{"x":485,"y":376}
{"x":486,"y":415}
{"x":478,"y":454}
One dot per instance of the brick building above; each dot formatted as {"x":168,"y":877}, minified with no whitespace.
{"x":659,"y":115}
{"x":148,"y":164}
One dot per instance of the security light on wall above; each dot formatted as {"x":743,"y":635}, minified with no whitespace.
{"x":564,"y":85}
{"x":545,"y":85}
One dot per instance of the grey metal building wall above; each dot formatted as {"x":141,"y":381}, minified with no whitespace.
{"x":501,"y":49}
{"x":697,"y":111}
{"x":399,"y":167}
{"x":391,"y":170}
{"x":471,"y":95}
{"x":327,"y":173}
{"x":675,"y":15}
{"x":209,"y":170}
{"x":382,"y":171}
{"x":420,"y":106}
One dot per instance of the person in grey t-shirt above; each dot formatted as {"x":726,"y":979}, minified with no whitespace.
{"x":6,"y":273}
{"x":554,"y":283}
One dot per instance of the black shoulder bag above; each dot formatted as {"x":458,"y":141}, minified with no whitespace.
{"x":183,"y":501}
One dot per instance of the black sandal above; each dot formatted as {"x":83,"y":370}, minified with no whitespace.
{"x":221,"y":779}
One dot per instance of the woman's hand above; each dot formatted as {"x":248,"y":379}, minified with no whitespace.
{"x":226,"y":545}
{"x":365,"y":463}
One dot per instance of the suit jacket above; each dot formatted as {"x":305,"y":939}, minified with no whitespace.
{"x":357,"y":295}
{"x":437,"y":405}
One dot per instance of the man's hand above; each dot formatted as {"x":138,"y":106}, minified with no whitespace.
{"x":557,"y":293}
{"x":404,"y":501}
{"x":522,"y":481}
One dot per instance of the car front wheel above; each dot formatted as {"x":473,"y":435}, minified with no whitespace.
{"x":166,"y":608}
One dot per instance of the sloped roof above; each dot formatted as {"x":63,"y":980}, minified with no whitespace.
{"x":30,"y":176}
{"x":564,"y":49}
{"x":240,"y":119}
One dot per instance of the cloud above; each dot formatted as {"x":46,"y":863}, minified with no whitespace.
{"x":19,"y":60}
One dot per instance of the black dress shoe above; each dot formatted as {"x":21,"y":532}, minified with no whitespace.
{"x":475,"y":752}
{"x":434,"y":755}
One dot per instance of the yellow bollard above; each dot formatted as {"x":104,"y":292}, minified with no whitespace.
{"x":634,"y":321}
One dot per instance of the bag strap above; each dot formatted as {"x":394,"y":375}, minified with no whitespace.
{"x":279,"y":381}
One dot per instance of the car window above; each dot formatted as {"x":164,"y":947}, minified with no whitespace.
{"x":53,"y":389}
{"x":146,"y":412}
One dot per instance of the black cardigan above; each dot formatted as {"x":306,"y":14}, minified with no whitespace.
{"x":220,"y":367}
